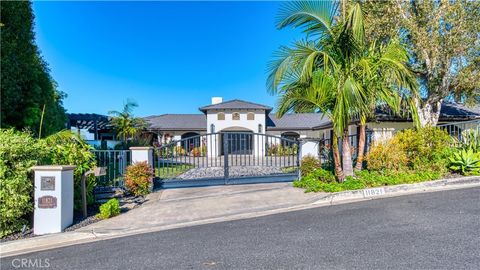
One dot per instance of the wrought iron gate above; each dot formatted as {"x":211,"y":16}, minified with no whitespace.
{"x":226,"y":158}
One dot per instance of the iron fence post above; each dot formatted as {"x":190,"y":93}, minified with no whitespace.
{"x":299,"y":154}
{"x":225,"y":157}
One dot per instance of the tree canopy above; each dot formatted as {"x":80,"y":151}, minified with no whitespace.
{"x":443,"y":41}
{"x":27,"y":89}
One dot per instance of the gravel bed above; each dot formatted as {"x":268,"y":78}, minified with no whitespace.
{"x":79,"y":221}
{"x":217,"y":172}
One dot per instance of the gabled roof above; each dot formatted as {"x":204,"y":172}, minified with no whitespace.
{"x":235,"y":104}
{"x":298,"y":121}
{"x":177,"y":122}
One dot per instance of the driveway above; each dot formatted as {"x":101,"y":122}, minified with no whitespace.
{"x":182,"y":205}
{"x":438,"y":230}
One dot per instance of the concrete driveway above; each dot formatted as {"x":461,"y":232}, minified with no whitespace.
{"x":172,"y":207}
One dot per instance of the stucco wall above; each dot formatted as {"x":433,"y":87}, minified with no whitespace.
{"x":236,"y":125}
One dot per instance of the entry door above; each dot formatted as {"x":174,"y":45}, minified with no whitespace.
{"x":238,"y":143}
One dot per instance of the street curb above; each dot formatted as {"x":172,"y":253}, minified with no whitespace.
{"x":40,"y":243}
{"x":389,"y":191}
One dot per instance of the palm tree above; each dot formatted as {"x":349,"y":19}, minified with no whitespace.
{"x":391,"y":83}
{"x":126,"y":125}
{"x":334,"y":71}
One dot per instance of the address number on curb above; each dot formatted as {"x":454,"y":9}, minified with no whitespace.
{"x":372,"y":192}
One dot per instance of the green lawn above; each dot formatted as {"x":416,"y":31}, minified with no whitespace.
{"x":172,"y":171}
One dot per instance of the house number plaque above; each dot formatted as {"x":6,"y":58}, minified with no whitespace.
{"x":47,"y":202}
{"x":47,"y":183}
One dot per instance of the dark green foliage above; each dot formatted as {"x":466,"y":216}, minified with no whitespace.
{"x":18,"y":153}
{"x":26,"y":85}
{"x":366,"y":179}
{"x":109,"y":209}
{"x":69,"y":149}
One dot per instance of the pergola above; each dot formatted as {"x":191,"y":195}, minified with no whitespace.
{"x":92,"y":122}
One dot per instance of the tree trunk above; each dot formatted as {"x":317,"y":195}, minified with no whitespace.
{"x":336,"y":159}
{"x":429,"y":112}
{"x":347,"y":155}
{"x":361,"y":147}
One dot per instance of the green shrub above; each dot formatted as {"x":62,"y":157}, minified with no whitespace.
{"x":109,"y":209}
{"x":365,"y":179}
{"x":351,"y":184}
{"x":464,"y":161}
{"x":386,"y":156}
{"x":308,"y":164}
{"x":139,"y":178}
{"x":67,"y":148}
{"x":424,"y":149}
{"x":18,"y":153}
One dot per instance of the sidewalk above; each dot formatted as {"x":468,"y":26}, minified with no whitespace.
{"x":174,"y":208}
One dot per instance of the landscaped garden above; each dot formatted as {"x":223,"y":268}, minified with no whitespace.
{"x":19,"y":151}
{"x":411,"y":156}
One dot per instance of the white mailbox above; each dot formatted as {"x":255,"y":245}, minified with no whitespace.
{"x":53,"y":198}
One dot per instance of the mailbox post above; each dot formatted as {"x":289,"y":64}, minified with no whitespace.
{"x":98,"y":171}
{"x":53,"y":198}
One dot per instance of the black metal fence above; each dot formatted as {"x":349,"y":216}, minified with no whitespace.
{"x":227,"y":156}
{"x":115,"y":162}
{"x":325,"y":146}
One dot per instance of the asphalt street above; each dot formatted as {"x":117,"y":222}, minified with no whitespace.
{"x":438,"y":230}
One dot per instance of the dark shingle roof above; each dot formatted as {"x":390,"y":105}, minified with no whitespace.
{"x":235,"y":104}
{"x":454,"y":110}
{"x":294,"y":121}
{"x":449,"y":112}
{"x":177,"y":122}
{"x":298,"y":121}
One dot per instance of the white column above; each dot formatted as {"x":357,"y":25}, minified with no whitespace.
{"x":142,"y":154}
{"x":309,"y":147}
{"x":53,"y":198}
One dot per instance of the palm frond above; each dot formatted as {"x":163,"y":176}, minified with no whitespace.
{"x":314,"y":17}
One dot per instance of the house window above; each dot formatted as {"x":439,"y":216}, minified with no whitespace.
{"x":250,"y":116}
{"x":235,"y":116}
{"x":212,"y":128}
{"x":260,"y":128}
{"x":220,"y":116}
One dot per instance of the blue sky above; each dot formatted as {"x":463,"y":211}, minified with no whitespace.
{"x":170,"y":57}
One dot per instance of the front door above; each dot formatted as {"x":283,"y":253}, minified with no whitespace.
{"x":238,"y":143}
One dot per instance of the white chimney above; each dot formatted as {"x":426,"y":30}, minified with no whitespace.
{"x":216,"y":100}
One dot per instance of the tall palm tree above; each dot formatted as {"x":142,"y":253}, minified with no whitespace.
{"x":336,"y":54}
{"x":124,"y":122}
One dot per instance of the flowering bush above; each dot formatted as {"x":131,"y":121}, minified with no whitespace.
{"x":139,"y":178}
